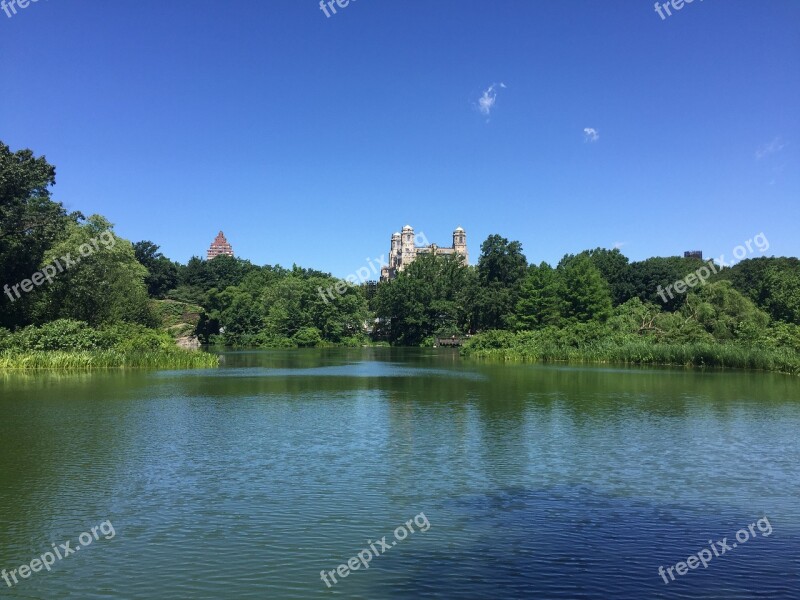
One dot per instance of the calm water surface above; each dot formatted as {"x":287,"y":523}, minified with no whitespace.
{"x":537,"y":481}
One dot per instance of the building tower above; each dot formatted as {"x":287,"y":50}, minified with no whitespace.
{"x":219,"y":247}
{"x":396,"y":252}
{"x":460,"y":243}
{"x":407,"y":247}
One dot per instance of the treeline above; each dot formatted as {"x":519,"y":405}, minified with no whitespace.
{"x":59,"y":265}
{"x":597,"y":306}
{"x":270,"y":306}
{"x":593,"y":305}
{"x":74,"y":293}
{"x":441,"y":297}
{"x":70,"y":280}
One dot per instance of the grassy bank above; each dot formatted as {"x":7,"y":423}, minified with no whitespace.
{"x":66,"y":344}
{"x":524,"y":347}
{"x":107,"y":359}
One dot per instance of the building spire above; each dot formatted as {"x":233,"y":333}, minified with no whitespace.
{"x":219,"y":247}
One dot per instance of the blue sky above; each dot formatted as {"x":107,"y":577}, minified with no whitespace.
{"x":310,"y":139}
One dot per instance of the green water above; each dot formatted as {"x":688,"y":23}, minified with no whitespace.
{"x":536,"y":481}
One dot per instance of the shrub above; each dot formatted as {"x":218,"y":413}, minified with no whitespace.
{"x":62,"y":334}
{"x":266,"y":340}
{"x":307,"y":337}
{"x":494,"y":339}
{"x":77,"y":336}
{"x":355,"y":341}
{"x":6,"y":338}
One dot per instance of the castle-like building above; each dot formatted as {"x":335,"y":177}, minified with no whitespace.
{"x":405,"y":249}
{"x":219,"y":247}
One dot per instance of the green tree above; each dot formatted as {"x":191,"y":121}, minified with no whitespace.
{"x":162,"y":274}
{"x":639,"y":319}
{"x":224,"y":271}
{"x":772,"y":283}
{"x":430,"y":297}
{"x":587,"y":296}
{"x":725,"y":313}
{"x":501,"y":261}
{"x":30,"y":223}
{"x":241,"y":317}
{"x":615,"y":269}
{"x":783,"y":285}
{"x":501,"y":268}
{"x":647,"y":276}
{"x":106,"y":283}
{"x":337,"y":316}
{"x":541,"y":298}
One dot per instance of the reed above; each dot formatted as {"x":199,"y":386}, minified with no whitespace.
{"x":734,"y":356}
{"x":107,"y":359}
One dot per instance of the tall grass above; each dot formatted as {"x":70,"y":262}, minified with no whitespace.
{"x":107,"y":359}
{"x":733,"y":356}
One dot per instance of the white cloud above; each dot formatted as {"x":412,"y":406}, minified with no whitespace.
{"x":773,"y":147}
{"x":592,"y":135}
{"x":619,"y":245}
{"x":487,"y":101}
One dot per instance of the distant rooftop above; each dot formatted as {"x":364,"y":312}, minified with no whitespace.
{"x":219,"y":247}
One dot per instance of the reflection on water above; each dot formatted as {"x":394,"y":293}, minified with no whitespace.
{"x":539,"y":481}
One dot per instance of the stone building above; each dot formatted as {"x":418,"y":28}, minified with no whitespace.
{"x":219,"y":247}
{"x":406,"y":247}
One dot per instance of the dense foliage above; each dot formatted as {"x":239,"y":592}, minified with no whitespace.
{"x":66,"y":343}
{"x":68,"y":334}
{"x":743,"y":317}
{"x":598,"y":306}
{"x":121,"y":297}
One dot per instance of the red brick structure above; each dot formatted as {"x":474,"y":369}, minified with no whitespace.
{"x":219,"y":246}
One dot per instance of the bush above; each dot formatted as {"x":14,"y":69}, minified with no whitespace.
{"x":495,"y":339}
{"x":266,"y":340}
{"x":355,"y":341}
{"x":5,"y":339}
{"x":783,"y":335}
{"x":127,"y":336}
{"x":62,"y":334}
{"x":307,"y":337}
{"x":77,"y":336}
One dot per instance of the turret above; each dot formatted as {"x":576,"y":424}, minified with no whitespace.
{"x":407,"y":244}
{"x":460,"y":243}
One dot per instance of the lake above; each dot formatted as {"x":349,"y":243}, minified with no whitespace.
{"x":486,"y":480}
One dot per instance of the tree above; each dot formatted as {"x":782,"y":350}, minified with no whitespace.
{"x":587,"y":296}
{"x":224,"y":271}
{"x":541,"y":298}
{"x":646,"y":277}
{"x":772,"y":283}
{"x":615,"y":269}
{"x":783,"y":283}
{"x":162,"y":274}
{"x":106,"y":283}
{"x":336,"y":316}
{"x":501,"y":268}
{"x":644,"y":320}
{"x":430,"y":297}
{"x":30,"y":223}
{"x":501,"y":261}
{"x":241,"y":317}
{"x":725,"y":313}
